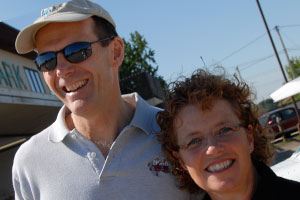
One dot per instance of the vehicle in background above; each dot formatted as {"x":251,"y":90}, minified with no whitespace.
{"x":288,"y":121}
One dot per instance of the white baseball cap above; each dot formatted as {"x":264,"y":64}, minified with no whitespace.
{"x":71,"y":11}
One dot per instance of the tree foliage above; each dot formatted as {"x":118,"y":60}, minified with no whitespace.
{"x":289,"y":100}
{"x":295,"y":61}
{"x":267,"y":105}
{"x":138,"y":57}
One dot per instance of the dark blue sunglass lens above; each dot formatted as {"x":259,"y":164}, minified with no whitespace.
{"x":78,"y":52}
{"x":46,"y":62}
{"x":74,"y":53}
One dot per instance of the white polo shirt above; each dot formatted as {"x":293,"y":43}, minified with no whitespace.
{"x":62,"y":164}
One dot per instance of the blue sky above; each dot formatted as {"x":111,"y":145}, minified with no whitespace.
{"x":223,"y":33}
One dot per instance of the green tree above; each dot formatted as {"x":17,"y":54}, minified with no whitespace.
{"x":267,"y":105}
{"x":295,"y":61}
{"x":138,"y":57}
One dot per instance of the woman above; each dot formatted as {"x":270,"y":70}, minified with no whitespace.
{"x":214,"y":142}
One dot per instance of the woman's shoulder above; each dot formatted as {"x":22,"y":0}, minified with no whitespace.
{"x":288,"y":184}
{"x":271,"y":186}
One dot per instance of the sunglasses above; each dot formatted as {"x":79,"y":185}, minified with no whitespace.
{"x":74,"y":53}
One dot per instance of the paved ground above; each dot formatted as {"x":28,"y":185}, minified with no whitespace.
{"x":284,"y":151}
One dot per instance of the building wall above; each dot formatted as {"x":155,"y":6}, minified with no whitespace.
{"x":6,"y":160}
{"x":27,"y":106}
{"x":13,"y":73}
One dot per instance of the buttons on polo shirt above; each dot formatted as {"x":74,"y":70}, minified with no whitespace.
{"x":93,"y":155}
{"x":74,"y":136}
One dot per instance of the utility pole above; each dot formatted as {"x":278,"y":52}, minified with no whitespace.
{"x":279,"y":62}
{"x":286,"y":54}
{"x":203,"y":61}
{"x":239,"y":73}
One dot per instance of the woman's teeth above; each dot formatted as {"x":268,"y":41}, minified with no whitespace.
{"x":219,"y":166}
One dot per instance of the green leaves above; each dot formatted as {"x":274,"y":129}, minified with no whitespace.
{"x":267,"y":105}
{"x":138,"y":57}
{"x":295,"y":61}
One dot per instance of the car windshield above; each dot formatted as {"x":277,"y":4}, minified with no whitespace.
{"x":288,"y":113}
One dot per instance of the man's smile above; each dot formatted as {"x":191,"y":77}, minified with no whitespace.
{"x":75,"y":87}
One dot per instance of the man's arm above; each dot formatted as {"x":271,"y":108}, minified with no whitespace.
{"x":17,"y":187}
{"x":20,"y":183}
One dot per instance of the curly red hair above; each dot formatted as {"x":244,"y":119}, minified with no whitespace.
{"x":204,"y":88}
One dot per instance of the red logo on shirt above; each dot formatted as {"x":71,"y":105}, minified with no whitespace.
{"x":159,"y":165}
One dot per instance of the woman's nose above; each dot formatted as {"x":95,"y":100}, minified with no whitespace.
{"x":213,"y":147}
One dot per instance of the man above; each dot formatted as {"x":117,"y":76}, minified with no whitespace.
{"x":102,"y":145}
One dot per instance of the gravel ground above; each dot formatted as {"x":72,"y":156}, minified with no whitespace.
{"x":283,"y":151}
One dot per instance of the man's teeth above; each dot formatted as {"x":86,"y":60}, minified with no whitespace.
{"x":219,"y":166}
{"x":75,"y":86}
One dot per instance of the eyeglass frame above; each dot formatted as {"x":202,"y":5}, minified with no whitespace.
{"x":238,"y":125}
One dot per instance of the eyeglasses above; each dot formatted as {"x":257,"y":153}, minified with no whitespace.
{"x":74,"y":53}
{"x":222,"y":133}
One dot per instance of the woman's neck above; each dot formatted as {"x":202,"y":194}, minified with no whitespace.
{"x":241,"y":192}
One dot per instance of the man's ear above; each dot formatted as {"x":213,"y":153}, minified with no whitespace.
{"x":176,"y":155}
{"x":117,"y":51}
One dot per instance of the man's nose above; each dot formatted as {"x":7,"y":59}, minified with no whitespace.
{"x":63,"y":67}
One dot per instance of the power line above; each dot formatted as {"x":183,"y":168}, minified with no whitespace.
{"x":243,"y":47}
{"x":286,"y":37}
{"x":255,"y":62}
{"x":288,"y":26}
{"x":251,"y":42}
{"x":268,"y":81}
{"x":264,"y":73}
{"x":293,"y":49}
{"x":252,"y":63}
